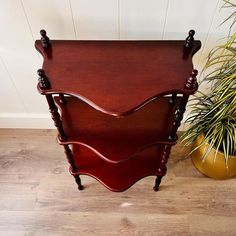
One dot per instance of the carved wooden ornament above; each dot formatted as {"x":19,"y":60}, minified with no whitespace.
{"x":190,"y":39}
{"x":44,"y":39}
{"x":43,"y":80}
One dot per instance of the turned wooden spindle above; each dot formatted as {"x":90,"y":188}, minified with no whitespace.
{"x":45,"y":39}
{"x":70,"y":159}
{"x":164,"y":158}
{"x":178,"y":116}
{"x":191,"y":82}
{"x":43,"y":80}
{"x":45,"y":84}
{"x":62,"y":137}
{"x":190,"y":39}
{"x":56,"y":117}
{"x":162,"y":169}
{"x":73,"y":167}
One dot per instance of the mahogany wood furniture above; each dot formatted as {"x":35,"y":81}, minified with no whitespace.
{"x":116,"y":122}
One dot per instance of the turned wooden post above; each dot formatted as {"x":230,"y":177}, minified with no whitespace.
{"x":56,"y":117}
{"x":43,"y":80}
{"x":165,"y":157}
{"x":70,"y":158}
{"x":178,"y":116}
{"x":73,"y":167}
{"x":162,"y":169}
{"x":44,"y":83}
{"x":191,"y":83}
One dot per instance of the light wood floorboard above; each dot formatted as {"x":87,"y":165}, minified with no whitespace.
{"x":39,"y":197}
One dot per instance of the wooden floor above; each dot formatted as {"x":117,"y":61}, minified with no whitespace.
{"x":39,"y":197}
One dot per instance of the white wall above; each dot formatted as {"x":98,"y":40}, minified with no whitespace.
{"x":20,"y":21}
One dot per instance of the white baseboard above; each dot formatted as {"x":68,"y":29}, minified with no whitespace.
{"x":26,"y":121}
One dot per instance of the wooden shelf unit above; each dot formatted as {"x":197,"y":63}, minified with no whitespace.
{"x":121,"y":103}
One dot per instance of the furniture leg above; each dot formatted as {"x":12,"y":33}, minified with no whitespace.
{"x":157,"y":183}
{"x":163,"y":169}
{"x":73,"y":167}
{"x":78,"y":181}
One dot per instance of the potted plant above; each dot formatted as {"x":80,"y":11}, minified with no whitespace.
{"x":212,"y":123}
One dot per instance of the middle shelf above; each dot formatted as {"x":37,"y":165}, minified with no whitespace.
{"x":117,"y":139}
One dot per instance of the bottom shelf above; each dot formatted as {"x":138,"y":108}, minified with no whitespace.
{"x":119,"y":176}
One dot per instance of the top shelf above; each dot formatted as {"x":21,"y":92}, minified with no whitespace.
{"x":117,"y":77}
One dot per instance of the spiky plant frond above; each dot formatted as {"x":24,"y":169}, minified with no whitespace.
{"x":214,"y":114}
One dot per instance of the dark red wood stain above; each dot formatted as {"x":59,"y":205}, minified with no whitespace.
{"x":116,"y":118}
{"x":119,"y":176}
{"x":116,"y":76}
{"x":117,"y":139}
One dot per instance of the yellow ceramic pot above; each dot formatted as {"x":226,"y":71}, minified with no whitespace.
{"x":211,"y":166}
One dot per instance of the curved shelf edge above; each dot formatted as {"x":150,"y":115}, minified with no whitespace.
{"x":139,"y":104}
{"x":191,"y":51}
{"x":115,"y":114}
{"x":133,"y":156}
{"x":119,"y":189}
{"x":121,"y":176}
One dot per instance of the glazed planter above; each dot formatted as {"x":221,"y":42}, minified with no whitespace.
{"x":212,"y":166}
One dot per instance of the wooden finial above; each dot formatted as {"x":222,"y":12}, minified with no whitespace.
{"x":44,"y":39}
{"x":191,"y":82}
{"x":190,"y":39}
{"x":43,"y":80}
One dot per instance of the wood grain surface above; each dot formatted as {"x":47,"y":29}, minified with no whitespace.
{"x":117,"y":139}
{"x":39,"y":197}
{"x":101,"y":72}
